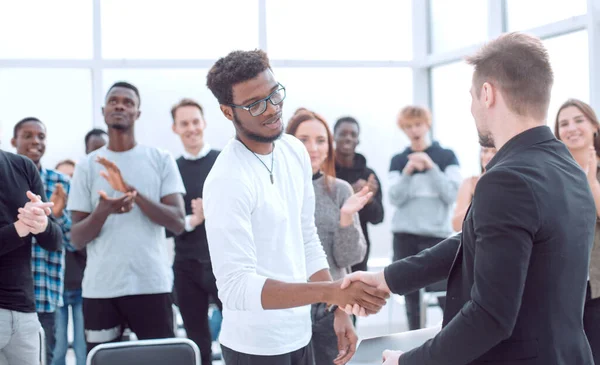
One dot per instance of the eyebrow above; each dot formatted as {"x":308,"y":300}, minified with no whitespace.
{"x":253,"y":99}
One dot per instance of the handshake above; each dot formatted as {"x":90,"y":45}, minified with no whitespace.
{"x":360,"y":293}
{"x":33,"y":217}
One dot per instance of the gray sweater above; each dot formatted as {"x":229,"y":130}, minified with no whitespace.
{"x":344,"y":246}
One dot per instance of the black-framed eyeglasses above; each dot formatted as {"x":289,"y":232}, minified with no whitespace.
{"x":258,"y":107}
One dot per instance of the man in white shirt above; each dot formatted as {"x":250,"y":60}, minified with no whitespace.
{"x":259,"y":206}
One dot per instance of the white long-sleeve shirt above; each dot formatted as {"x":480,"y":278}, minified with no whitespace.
{"x":258,"y":230}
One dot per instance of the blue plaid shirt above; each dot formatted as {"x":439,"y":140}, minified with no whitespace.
{"x":49,"y":266}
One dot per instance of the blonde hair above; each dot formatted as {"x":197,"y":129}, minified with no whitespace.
{"x":413,"y":113}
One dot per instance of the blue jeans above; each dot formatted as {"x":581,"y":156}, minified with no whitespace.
{"x":71,"y":298}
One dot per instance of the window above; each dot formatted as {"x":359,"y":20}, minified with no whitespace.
{"x":61,"y":98}
{"x":59,"y":29}
{"x":178,"y":29}
{"x":454,"y":126}
{"x":374,"y":97}
{"x":450,"y":30}
{"x":527,"y":14}
{"x":570,"y":63}
{"x":160,"y":89}
{"x":339,"y":29}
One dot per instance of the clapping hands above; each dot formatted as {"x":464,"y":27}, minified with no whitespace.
{"x":33,"y":217}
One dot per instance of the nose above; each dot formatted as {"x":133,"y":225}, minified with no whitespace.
{"x":37,"y":140}
{"x":311,"y":146}
{"x":273,"y":109}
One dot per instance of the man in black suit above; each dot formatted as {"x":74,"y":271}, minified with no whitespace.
{"x":517,"y":273}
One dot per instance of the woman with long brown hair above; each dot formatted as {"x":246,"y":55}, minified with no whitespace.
{"x":336,"y":218}
{"x":577,"y":126}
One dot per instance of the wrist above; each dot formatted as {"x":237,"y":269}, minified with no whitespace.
{"x":21,"y":229}
{"x":345,"y":218}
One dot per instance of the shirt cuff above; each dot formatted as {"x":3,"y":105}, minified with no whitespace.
{"x":254,"y":290}
{"x":188,"y":224}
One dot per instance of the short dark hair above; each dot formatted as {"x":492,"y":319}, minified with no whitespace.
{"x":520,"y":66}
{"x":92,"y":133}
{"x":23,"y":121}
{"x":126,"y":85}
{"x":186,"y":102}
{"x":65,"y":162}
{"x":236,"y":67}
{"x":343,"y":120}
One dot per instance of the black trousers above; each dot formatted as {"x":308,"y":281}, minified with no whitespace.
{"x":149,"y":316}
{"x":406,"y":245}
{"x":591,"y":323}
{"x":195,"y":287}
{"x":48,"y":321}
{"x":303,"y":356}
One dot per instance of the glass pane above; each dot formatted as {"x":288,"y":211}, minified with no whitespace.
{"x":570,"y":63}
{"x":159,"y":91}
{"x":454,"y":126}
{"x":62,"y":99}
{"x":450,"y":31}
{"x":526,"y":14}
{"x":46,"y":29}
{"x":179,"y":29}
{"x":339,"y":29}
{"x":373,"y":97}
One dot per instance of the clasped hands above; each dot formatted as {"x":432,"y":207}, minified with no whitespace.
{"x":361,"y":293}
{"x":33,"y":216}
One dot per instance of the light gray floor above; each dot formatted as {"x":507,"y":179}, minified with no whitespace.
{"x":391,"y":319}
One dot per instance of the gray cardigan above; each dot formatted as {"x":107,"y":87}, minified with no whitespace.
{"x":344,"y":246}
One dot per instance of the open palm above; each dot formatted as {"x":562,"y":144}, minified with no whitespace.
{"x":357,"y":201}
{"x":113,"y":175}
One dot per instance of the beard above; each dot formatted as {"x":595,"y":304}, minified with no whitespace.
{"x":486,"y":140}
{"x":255,"y":136}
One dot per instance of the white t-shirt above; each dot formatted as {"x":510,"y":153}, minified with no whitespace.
{"x":129,"y":256}
{"x":258,"y":230}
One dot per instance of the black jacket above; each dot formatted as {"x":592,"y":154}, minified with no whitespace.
{"x":372,"y":212}
{"x":518,"y":272}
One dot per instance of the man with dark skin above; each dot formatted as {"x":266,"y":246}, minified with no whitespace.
{"x":119,"y":213}
{"x":352,"y":167}
{"x":95,"y":139}
{"x":259,"y":205}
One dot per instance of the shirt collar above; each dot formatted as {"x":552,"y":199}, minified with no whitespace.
{"x":521,"y":141}
{"x":203,"y":152}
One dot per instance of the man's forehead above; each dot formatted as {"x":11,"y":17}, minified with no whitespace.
{"x":121,"y":91}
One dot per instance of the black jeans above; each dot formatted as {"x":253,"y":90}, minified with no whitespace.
{"x":591,"y":323}
{"x":406,"y":245}
{"x":303,"y":356}
{"x":195,"y":286}
{"x":150,"y":316}
{"x":48,"y":321}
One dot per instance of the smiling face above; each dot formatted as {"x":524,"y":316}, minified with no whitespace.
{"x":31,"y":141}
{"x":314,"y":136}
{"x":346,"y":138}
{"x":189,"y":125}
{"x":575,"y":129}
{"x":266,"y":127}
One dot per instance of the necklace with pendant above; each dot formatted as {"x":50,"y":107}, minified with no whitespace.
{"x":261,"y":161}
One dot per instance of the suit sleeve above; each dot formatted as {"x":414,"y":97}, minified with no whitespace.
{"x":428,"y":267}
{"x":52,"y":238}
{"x":373,"y":212}
{"x":505,"y":219}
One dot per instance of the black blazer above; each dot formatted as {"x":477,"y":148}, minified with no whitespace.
{"x":517,"y":273}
